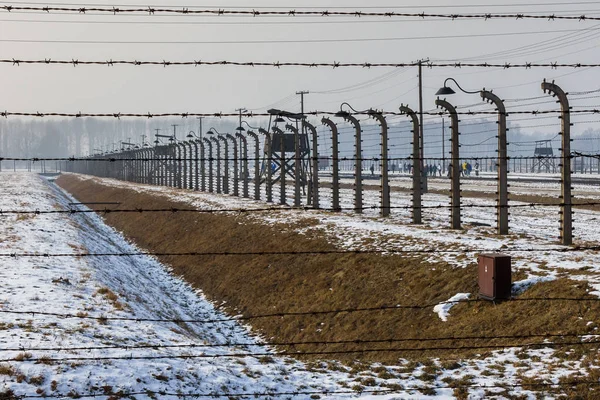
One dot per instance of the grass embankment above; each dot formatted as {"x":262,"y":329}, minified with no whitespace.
{"x":254,"y":285}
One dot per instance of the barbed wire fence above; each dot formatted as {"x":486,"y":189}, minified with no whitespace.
{"x":193,"y":165}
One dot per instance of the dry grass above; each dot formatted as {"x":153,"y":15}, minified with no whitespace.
{"x":267,"y":284}
{"x":7,"y":370}
{"x":25,"y":217}
{"x":7,"y":394}
{"x":46,"y":360}
{"x":37,"y":380}
{"x":110,"y":296}
{"x":23,"y":356}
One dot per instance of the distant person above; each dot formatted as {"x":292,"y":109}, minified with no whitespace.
{"x":372,"y":170}
{"x":439,"y":168}
{"x":476,"y":168}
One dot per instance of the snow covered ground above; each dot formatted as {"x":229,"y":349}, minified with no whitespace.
{"x":534,"y":231}
{"x":96,"y":291}
{"x":130,"y":288}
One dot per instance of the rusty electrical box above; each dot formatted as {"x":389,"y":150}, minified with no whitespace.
{"x":495,"y":279}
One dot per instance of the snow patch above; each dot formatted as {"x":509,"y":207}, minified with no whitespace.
{"x":519,"y":287}
{"x":443,"y":309}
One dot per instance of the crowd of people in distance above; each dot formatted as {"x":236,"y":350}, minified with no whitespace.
{"x":433,"y":169}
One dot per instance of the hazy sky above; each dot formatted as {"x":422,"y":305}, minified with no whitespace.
{"x":207,"y":89}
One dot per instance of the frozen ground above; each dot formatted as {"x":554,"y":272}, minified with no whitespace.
{"x":130,"y":288}
{"x":140,"y":288}
{"x":534,"y":231}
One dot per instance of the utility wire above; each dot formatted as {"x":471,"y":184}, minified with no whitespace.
{"x":286,"y":41}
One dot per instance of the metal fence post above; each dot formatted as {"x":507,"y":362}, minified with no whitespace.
{"x":566,"y":214}
{"x":455,"y":164}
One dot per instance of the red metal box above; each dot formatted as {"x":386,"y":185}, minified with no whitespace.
{"x":495,"y":279}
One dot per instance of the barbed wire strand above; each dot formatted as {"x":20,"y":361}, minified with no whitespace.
{"x":575,"y":248}
{"x":119,"y":115}
{"x":114,"y":157}
{"x":104,"y":318}
{"x":266,"y":392}
{"x":304,"y":343}
{"x":175,"y":210}
{"x":294,"y":13}
{"x":47,"y":359}
{"x":279,"y":64}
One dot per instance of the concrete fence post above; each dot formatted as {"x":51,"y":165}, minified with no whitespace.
{"x":566,"y":213}
{"x":358,"y":195}
{"x":335,"y":163}
{"x":314,"y":163}
{"x":385,"y":183}
{"x":416,"y":167}
{"x":256,"y":164}
{"x":454,"y":164}
{"x":267,"y":164}
{"x":502,"y":201}
{"x":282,"y":170}
{"x":236,"y":179}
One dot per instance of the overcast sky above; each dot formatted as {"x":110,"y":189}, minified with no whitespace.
{"x":208,"y":89}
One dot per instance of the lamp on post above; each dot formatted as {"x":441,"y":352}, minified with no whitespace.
{"x":192,"y":135}
{"x":168,"y":137}
{"x":447,"y":90}
{"x":502,"y":164}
